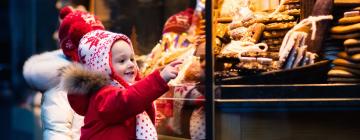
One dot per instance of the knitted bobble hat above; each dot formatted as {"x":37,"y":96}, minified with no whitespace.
{"x":75,"y":24}
{"x":95,"y":53}
{"x":179,"y":22}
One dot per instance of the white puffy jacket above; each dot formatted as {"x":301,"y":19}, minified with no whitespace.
{"x":59,"y":121}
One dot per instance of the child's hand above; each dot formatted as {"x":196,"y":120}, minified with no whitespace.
{"x":170,"y":71}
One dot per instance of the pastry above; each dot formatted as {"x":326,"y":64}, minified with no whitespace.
{"x":351,"y":42}
{"x":346,"y":63}
{"x":349,"y":20}
{"x":351,"y":70}
{"x":340,"y":73}
{"x":343,"y":29}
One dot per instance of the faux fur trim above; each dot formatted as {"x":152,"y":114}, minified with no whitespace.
{"x":77,"y":79}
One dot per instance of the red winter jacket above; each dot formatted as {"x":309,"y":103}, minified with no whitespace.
{"x":110,"y":111}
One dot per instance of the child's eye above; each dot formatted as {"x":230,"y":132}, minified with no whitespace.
{"x":122,"y":61}
{"x":132,"y":59}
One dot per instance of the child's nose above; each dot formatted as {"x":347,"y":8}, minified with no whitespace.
{"x":131,"y":64}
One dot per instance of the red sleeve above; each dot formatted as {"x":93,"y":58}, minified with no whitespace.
{"x":114,"y":104}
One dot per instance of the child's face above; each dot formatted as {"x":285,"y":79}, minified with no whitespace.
{"x":123,"y":61}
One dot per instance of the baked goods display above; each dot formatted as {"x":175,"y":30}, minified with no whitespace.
{"x":347,"y":64}
{"x":251,"y":43}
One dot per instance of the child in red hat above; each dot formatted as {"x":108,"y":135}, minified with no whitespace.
{"x":106,"y":87}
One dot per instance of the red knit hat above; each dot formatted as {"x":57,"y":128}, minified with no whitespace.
{"x":179,"y":22}
{"x":74,"y":25}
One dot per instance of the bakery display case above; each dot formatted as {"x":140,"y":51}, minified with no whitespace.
{"x":290,"y":91}
{"x":275,"y":69}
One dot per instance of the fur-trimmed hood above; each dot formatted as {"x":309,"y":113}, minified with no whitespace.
{"x":80,"y":83}
{"x":41,"y":71}
{"x":77,"y":79}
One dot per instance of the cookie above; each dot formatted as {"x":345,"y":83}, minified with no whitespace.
{"x":340,"y":73}
{"x":279,"y":26}
{"x":257,"y":29}
{"x":274,"y":48}
{"x":292,"y":12}
{"x":345,"y":29}
{"x":290,"y":6}
{"x":273,"y":41}
{"x":275,"y":18}
{"x":274,"y":34}
{"x":345,"y":63}
{"x":292,"y":2}
{"x":351,"y":42}
{"x":346,"y":36}
{"x":350,"y":20}
{"x":272,"y":55}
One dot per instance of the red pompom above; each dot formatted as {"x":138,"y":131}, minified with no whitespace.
{"x":65,"y":11}
{"x":77,"y":31}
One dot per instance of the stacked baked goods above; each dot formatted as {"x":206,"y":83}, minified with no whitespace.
{"x":249,"y":42}
{"x":347,"y":66}
{"x":291,"y":7}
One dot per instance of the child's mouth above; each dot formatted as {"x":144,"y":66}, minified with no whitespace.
{"x":131,"y":73}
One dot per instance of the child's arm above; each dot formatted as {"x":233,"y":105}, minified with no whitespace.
{"x":114,"y":104}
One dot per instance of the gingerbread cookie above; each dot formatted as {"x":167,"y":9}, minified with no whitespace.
{"x":274,"y":34}
{"x":290,"y":6}
{"x":291,"y":2}
{"x":274,"y":48}
{"x":292,"y":12}
{"x":273,"y":41}
{"x":279,"y":26}
{"x":275,"y":18}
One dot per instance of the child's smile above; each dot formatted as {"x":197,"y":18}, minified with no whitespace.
{"x":123,"y":61}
